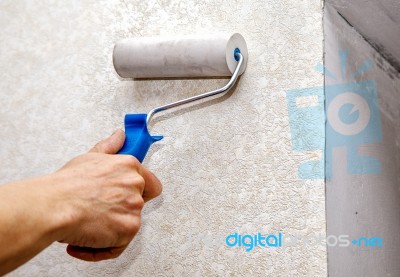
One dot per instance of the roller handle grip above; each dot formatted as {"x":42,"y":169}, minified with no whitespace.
{"x":138,"y":140}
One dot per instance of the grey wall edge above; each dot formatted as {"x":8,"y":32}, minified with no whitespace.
{"x":362,"y":205}
{"x":377,"y":21}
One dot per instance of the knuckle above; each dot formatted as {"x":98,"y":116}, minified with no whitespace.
{"x":134,"y":225}
{"x":139,"y":203}
{"x":133,"y":180}
{"x":135,"y":202}
{"x":131,"y":161}
{"x":137,"y":181}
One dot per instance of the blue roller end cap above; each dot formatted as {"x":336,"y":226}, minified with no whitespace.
{"x":236,"y":54}
{"x":138,"y":139}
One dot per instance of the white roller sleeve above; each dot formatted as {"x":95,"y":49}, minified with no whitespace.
{"x":175,"y":57}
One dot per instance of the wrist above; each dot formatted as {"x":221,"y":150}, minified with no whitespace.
{"x":32,"y":215}
{"x":61,"y":215}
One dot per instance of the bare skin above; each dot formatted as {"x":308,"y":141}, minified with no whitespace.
{"x":93,"y":204}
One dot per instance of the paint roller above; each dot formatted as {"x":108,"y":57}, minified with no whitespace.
{"x":175,"y":57}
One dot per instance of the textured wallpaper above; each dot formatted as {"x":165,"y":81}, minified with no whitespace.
{"x":227,"y":165}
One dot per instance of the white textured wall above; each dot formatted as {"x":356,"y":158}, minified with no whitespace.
{"x":226,"y":166}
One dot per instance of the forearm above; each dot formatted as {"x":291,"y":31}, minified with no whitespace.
{"x":93,"y":204}
{"x":29,"y":220}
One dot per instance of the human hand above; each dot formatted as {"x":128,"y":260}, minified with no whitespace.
{"x":103,"y":195}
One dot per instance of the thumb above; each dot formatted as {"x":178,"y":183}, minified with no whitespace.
{"x":110,"y":145}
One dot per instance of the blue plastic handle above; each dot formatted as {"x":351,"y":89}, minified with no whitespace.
{"x":138,"y":140}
